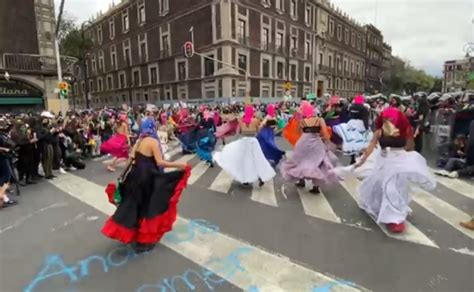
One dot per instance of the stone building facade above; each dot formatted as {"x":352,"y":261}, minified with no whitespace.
{"x":375,"y":66}
{"x":340,"y":53}
{"x":242,"y":46}
{"x":457,"y":74}
{"x":27,"y":54}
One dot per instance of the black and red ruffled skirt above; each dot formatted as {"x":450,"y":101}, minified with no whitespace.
{"x":148,"y":206}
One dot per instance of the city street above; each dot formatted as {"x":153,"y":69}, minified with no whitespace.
{"x":230,"y":237}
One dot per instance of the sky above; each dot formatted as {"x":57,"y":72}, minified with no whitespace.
{"x":423,"y":32}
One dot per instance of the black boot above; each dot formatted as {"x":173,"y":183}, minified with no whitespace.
{"x":315,"y":190}
{"x":211,"y":164}
{"x":353,"y":159}
{"x":301,"y":183}
{"x":260,"y":182}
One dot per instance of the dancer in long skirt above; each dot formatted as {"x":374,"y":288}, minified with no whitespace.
{"x":355,"y":134}
{"x":266,"y":137}
{"x":229,"y":127}
{"x":118,"y":145}
{"x":384,"y":194}
{"x":206,"y":141}
{"x":147,"y":204}
{"x":243,"y":159}
{"x":311,"y":157}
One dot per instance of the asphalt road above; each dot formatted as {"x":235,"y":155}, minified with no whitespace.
{"x":235,"y":238}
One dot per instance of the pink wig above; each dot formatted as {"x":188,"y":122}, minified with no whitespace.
{"x":206,"y":114}
{"x":271,"y":111}
{"x":249,"y":111}
{"x":123,"y":118}
{"x":307,"y":110}
{"x":392,"y":114}
{"x":183,"y":114}
{"x":334,"y":100}
{"x":359,"y":99}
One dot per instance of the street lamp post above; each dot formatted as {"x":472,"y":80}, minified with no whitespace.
{"x":84,"y":62}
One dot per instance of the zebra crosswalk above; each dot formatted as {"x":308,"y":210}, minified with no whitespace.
{"x":330,"y":205}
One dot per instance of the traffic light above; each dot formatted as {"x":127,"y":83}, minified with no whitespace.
{"x":63,"y":89}
{"x":188,"y":49}
{"x":63,"y":85}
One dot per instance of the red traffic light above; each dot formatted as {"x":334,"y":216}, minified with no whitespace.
{"x":188,"y":49}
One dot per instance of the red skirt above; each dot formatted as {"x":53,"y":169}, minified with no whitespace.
{"x":148,"y":208}
{"x":117,"y":146}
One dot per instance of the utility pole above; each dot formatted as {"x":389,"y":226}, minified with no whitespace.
{"x":130,"y":83}
{"x":58,"y":56}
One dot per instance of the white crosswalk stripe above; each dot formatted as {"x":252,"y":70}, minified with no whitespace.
{"x":265,"y":194}
{"x":411,"y":233}
{"x":457,"y":185}
{"x":260,"y":268}
{"x":198,"y":171}
{"x":222,"y":183}
{"x":443,"y":210}
{"x":317,"y":206}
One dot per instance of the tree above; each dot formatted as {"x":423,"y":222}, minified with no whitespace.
{"x":75,"y":44}
{"x":437,"y":85}
{"x":405,"y":79}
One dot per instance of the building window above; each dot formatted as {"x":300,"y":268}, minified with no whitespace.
{"x":141,"y":12}
{"x":112,"y":28}
{"x":293,"y":45}
{"x":242,"y":63}
{"x":166,"y":45}
{"x":241,"y":34}
{"x":265,"y":38}
{"x":307,"y":74}
{"x":99,"y":34}
{"x":330,"y":62}
{"x":321,"y":59}
{"x":153,"y":75}
{"x":345,"y":66}
{"x":346,"y":36}
{"x":279,"y":5}
{"x":122,"y":80}
{"x":280,"y":70}
{"x":353,"y":39}
{"x":279,"y":41}
{"x":292,"y":71}
{"x":101,"y":61}
{"x":113,"y":57}
{"x":307,"y":15}
{"x":265,"y":68}
{"x":125,"y":21}
{"x":209,"y":65}
{"x":100,"y":86}
{"x":127,"y":52}
{"x":359,"y":40}
{"x":136,"y":77}
{"x":143,"y":47}
{"x":331,"y":28}
{"x":182,"y":75}
{"x":307,"y":48}
{"x":164,"y":7}
{"x":266,"y":3}
{"x":339,"y":32}
{"x":110,"y":84}
{"x":293,"y":8}
{"x":93,"y":63}
{"x":91,"y":85}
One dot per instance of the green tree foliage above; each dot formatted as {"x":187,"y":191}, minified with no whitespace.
{"x":72,"y":40}
{"x":404,"y":79}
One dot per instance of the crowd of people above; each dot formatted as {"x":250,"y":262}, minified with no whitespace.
{"x":382,"y":138}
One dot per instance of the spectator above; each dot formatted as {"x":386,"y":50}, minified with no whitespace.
{"x":6,"y":170}
{"x":456,"y":155}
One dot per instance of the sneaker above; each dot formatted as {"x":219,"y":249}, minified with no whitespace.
{"x":441,"y":172}
{"x":62,"y":171}
{"x":72,"y":168}
{"x":452,"y":174}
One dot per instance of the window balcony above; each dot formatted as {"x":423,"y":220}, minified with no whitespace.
{"x":28,"y":63}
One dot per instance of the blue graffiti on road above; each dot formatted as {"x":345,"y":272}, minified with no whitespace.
{"x":55,"y":266}
{"x":327,"y":287}
{"x":224,"y":269}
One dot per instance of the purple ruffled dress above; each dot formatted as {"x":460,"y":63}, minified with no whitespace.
{"x":311,"y":159}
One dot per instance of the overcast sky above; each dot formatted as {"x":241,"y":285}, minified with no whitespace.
{"x":424,"y":32}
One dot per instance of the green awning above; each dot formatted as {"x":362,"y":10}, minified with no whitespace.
{"x":20,"y":100}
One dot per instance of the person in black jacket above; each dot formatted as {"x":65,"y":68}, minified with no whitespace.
{"x":45,"y":135}
{"x":26,"y":140}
